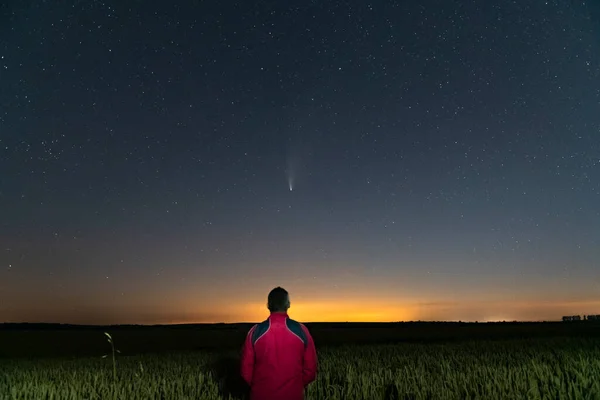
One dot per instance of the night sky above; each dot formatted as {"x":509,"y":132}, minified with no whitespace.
{"x":168,"y":162}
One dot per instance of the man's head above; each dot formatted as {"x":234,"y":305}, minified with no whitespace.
{"x":279,"y":300}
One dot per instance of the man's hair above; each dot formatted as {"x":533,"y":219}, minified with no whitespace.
{"x":278,"y":300}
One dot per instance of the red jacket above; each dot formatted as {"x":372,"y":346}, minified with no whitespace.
{"x":278,"y":359}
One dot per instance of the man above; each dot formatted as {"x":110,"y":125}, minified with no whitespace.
{"x":278,"y":357}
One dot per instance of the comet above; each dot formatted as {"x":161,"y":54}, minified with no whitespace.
{"x":291,"y":168}
{"x":290,"y":175}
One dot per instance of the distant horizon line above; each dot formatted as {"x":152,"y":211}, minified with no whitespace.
{"x":305,"y":322}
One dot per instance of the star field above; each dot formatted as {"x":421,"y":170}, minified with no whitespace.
{"x":444,"y":157}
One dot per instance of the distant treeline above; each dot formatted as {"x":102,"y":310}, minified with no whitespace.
{"x":247,"y":325}
{"x":572,"y":318}
{"x":236,"y":325}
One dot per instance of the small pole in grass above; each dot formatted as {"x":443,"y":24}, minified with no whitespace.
{"x":112,"y":345}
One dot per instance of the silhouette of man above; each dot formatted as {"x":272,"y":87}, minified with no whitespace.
{"x":278,"y":357}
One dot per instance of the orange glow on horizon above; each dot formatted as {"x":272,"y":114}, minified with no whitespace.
{"x":374,"y":311}
{"x":331,"y":311}
{"x":367,"y":309}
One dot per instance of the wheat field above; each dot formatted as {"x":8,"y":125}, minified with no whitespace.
{"x":514,"y":369}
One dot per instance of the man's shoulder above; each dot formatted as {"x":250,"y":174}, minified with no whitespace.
{"x":297,"y":329}
{"x":298,"y":324}
{"x":294,"y":322}
{"x":259,"y":330}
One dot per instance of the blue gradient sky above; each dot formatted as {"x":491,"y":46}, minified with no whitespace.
{"x":445,"y":160}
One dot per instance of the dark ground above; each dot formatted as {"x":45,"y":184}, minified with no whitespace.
{"x":224,"y":341}
{"x":53,"y":340}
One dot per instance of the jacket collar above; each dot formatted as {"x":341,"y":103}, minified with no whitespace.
{"x":278,"y":315}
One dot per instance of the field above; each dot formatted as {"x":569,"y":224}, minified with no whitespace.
{"x":375,"y":361}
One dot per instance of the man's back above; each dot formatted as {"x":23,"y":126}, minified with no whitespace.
{"x":278,"y":359}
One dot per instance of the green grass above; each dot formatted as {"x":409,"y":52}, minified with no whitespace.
{"x":515,"y":369}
